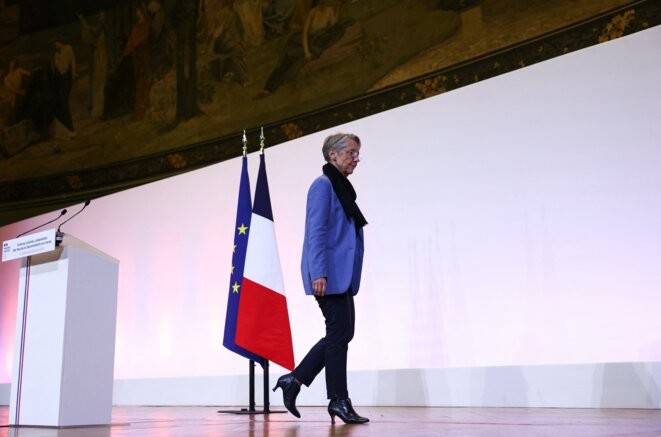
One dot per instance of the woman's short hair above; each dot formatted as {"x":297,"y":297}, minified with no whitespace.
{"x":337,"y":142}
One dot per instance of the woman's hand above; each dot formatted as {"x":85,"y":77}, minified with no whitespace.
{"x":319,"y":286}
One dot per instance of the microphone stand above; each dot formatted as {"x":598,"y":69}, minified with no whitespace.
{"x":59,"y":235}
{"x":24,"y":321}
{"x":64,"y":211}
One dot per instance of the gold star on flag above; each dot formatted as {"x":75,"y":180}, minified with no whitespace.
{"x":235,"y":288}
{"x":242,"y":229}
{"x":232,"y":270}
{"x":234,"y":249}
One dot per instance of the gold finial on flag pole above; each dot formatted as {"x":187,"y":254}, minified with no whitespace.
{"x":261,"y":140}
{"x":245,"y":143}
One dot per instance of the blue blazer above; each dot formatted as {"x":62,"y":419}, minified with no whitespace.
{"x":331,"y":247}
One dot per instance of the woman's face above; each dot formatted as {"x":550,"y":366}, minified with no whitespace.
{"x":346,"y":159}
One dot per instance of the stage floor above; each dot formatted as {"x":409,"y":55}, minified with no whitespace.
{"x":385,"y":421}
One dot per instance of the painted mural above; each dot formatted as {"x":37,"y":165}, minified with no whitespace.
{"x":117,"y":92}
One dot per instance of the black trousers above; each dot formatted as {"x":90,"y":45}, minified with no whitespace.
{"x":331,"y":351}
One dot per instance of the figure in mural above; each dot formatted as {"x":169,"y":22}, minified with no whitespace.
{"x":228,"y":45}
{"x":16,"y":130}
{"x":277,"y":16}
{"x":61,"y":74}
{"x":163,"y":88}
{"x":159,"y":40}
{"x":250,"y":13}
{"x":15,"y":82}
{"x":206,"y":22}
{"x":210,"y":15}
{"x":301,"y":12}
{"x":185,"y":28}
{"x":322,"y":29}
{"x":95,"y":37}
{"x":138,"y":48}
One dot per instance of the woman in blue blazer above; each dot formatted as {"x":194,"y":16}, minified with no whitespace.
{"x":331,"y":267}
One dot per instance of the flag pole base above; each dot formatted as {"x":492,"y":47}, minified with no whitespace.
{"x":246,"y":411}
{"x":251,"y":393}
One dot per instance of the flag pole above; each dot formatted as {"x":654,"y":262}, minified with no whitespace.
{"x":267,"y":404}
{"x":244,"y":140}
{"x":251,"y":387}
{"x":261,"y":140}
{"x":266,"y":362}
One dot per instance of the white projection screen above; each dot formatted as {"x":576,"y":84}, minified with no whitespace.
{"x":516,"y":221}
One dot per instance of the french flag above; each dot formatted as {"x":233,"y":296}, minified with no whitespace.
{"x":263,"y":320}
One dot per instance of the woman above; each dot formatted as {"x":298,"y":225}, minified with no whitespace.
{"x":331,"y":268}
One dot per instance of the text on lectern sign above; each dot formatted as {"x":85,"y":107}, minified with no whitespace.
{"x":27,"y":245}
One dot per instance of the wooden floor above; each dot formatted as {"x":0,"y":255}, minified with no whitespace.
{"x":385,"y":421}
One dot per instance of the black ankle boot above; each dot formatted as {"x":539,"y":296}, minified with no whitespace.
{"x":290,"y":389}
{"x":344,"y":410}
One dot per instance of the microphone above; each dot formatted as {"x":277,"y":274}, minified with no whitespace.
{"x":60,"y":235}
{"x":64,"y":211}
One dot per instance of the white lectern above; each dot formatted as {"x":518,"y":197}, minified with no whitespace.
{"x":65,"y":338}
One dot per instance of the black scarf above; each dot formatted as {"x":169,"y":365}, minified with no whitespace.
{"x":346,"y":194}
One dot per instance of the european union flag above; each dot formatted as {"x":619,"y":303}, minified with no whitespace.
{"x":243,"y":215}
